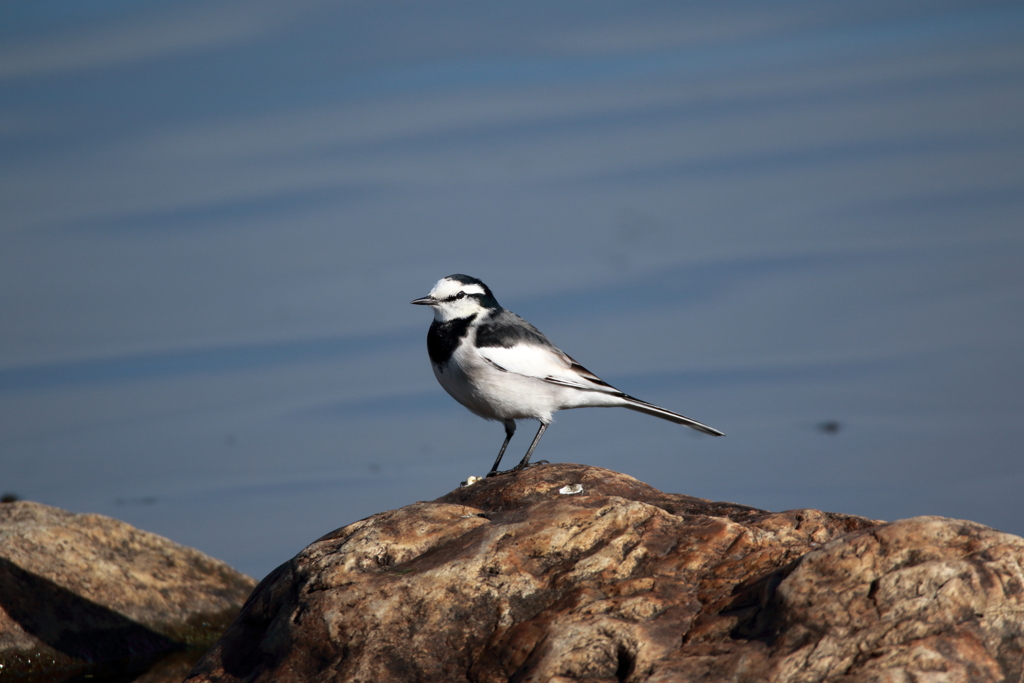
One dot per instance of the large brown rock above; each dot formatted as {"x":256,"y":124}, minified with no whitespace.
{"x":80,"y":590}
{"x":511,"y":580}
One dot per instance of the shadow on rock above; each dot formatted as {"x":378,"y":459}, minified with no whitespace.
{"x":70,"y":624}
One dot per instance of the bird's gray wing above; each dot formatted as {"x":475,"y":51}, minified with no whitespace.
{"x":514,"y":345}
{"x":547,"y":364}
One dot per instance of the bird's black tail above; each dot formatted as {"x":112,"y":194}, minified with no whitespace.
{"x":651,"y":409}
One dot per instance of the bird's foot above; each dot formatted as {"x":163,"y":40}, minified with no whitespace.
{"x":517,"y":468}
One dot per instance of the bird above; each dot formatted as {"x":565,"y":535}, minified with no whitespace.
{"x":503,"y":368}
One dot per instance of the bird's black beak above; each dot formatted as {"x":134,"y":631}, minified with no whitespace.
{"x":425,"y":301}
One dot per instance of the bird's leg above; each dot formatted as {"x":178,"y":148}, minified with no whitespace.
{"x":510,"y":429}
{"x":525,"y":462}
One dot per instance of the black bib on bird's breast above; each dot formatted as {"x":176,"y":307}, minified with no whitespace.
{"x":442,"y":338}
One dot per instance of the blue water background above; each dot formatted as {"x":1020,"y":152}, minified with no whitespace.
{"x":799,"y":222}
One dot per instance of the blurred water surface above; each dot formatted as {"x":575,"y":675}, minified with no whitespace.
{"x":798,"y":222}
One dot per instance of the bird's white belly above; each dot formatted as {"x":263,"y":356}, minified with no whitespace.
{"x":495,"y":394}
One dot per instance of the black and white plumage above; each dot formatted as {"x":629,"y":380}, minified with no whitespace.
{"x":502,"y":368}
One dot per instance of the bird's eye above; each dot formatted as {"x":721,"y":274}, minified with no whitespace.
{"x":460,"y":295}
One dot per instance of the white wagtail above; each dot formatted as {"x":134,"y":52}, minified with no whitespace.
{"x":502,"y":368}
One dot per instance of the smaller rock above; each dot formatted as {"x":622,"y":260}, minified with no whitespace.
{"x":77,"y":590}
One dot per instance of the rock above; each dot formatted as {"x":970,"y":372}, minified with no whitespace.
{"x":81,"y":590}
{"x":510,"y":580}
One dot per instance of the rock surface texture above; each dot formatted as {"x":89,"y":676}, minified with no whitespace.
{"x":78,"y":590}
{"x":511,"y":580}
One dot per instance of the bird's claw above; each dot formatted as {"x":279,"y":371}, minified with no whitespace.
{"x":518,"y":468}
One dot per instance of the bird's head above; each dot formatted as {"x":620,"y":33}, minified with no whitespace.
{"x":458,"y":296}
